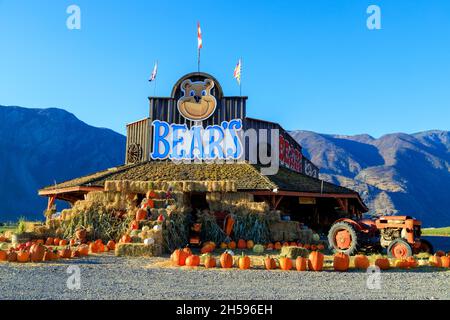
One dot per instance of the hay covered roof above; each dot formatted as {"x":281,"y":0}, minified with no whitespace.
{"x":245,"y":175}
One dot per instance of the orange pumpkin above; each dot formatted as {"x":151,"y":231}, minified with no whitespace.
{"x":40,"y":241}
{"x":223,"y":245}
{"x":141,"y":215}
{"x":277,"y":245}
{"x":49,"y":242}
{"x":232,"y":245}
{"x":100,"y":247}
{"x":37,"y":252}
{"x":313,"y":247}
{"x":242,"y":244}
{"x":301,"y":263}
{"x":285,"y":263}
{"x":63,"y":242}
{"x":320,"y":247}
{"x":23,"y":256}
{"x":210,"y":262}
{"x":361,"y":262}
{"x":65,"y":253}
{"x":435,"y":261}
{"x":244,"y":262}
{"x":307,"y":246}
{"x":341,"y":261}
{"x":3,"y":255}
{"x":111,"y":245}
{"x":269,"y":246}
{"x":56,"y":241}
{"x":383,"y":263}
{"x":48,"y":256}
{"x":72,"y":242}
{"x":315,"y":261}
{"x":83,"y":250}
{"x":293,"y":244}
{"x":401,"y":263}
{"x":193,"y":261}
{"x":270,"y":263}
{"x":179,"y":257}
{"x":207,"y":248}
{"x":93,"y":247}
{"x":445,"y":262}
{"x":250,"y":244}
{"x":226,"y":260}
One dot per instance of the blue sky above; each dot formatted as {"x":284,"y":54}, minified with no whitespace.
{"x":310,"y":65}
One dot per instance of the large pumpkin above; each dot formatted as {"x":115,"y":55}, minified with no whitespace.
{"x":285,"y":263}
{"x":361,"y":262}
{"x":242,"y":244}
{"x":435,"y":261}
{"x":83,"y":250}
{"x":226,"y":260}
{"x":270,"y":263}
{"x":23,"y":256}
{"x":301,"y":264}
{"x":37,"y":252}
{"x":179,"y":257}
{"x":315,"y":261}
{"x":192,"y":261}
{"x":250,"y":244}
{"x":210,"y":262}
{"x":244,"y":262}
{"x":341,"y":261}
{"x":49,"y":242}
{"x":111,"y":245}
{"x":65,"y":253}
{"x":383,"y":263}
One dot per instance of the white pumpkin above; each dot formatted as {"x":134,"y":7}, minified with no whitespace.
{"x":315,"y":237}
{"x":157,"y":227}
{"x":145,"y":228}
{"x":230,"y":252}
{"x":149,"y":241}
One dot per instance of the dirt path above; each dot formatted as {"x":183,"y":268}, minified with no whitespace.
{"x":108,"y":277}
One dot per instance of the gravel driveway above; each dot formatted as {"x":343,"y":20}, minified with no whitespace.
{"x":109,"y":277}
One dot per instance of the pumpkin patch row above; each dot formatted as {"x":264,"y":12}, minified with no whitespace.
{"x":249,"y":244}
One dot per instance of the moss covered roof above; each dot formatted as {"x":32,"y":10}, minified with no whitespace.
{"x":246,"y":176}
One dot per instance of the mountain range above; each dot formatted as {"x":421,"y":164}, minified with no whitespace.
{"x":407,"y":174}
{"x":39,"y":147}
{"x":403,"y":174}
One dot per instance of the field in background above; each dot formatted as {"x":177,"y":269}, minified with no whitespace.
{"x":436,"y":231}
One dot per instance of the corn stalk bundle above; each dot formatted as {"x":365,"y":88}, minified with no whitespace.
{"x":251,"y":226}
{"x":175,"y":231}
{"x":210,"y":231}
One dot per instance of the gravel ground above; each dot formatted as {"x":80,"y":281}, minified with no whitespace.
{"x":109,"y":277}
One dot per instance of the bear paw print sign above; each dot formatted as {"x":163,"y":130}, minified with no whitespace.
{"x":197,"y":103}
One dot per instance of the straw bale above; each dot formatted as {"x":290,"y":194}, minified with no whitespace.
{"x":294,"y":252}
{"x":138,"y":250}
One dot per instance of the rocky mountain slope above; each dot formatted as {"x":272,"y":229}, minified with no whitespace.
{"x":395,"y":174}
{"x":39,"y":147}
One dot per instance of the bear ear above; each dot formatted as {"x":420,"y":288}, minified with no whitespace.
{"x":186,"y":84}
{"x":209,"y":84}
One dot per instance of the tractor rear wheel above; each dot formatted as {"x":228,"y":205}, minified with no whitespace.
{"x":343,"y":237}
{"x":399,"y":249}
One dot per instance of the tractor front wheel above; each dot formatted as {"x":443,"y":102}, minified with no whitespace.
{"x":343,"y":237}
{"x":399,"y":249}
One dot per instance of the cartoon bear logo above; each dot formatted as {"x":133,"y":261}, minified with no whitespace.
{"x":197,"y":103}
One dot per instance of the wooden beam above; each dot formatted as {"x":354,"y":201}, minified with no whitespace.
{"x":49,"y":192}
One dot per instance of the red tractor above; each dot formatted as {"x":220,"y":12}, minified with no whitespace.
{"x":399,"y":234}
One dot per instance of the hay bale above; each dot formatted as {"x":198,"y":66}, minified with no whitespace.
{"x":294,"y":252}
{"x":285,"y":231}
{"x":138,"y":250}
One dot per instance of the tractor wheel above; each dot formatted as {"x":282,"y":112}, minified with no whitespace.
{"x":425,"y":246}
{"x":343,"y":237}
{"x":399,"y":249}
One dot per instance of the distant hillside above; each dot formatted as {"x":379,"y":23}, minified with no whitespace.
{"x":395,"y":174}
{"x":41,"y":146}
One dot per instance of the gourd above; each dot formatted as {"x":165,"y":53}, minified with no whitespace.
{"x":258,"y":248}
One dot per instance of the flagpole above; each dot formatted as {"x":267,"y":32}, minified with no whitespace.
{"x":240,"y":82}
{"x":198,"y":60}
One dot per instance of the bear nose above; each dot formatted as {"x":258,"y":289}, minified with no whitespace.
{"x":197,"y":98}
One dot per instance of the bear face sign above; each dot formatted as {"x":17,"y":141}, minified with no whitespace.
{"x":197,"y":103}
